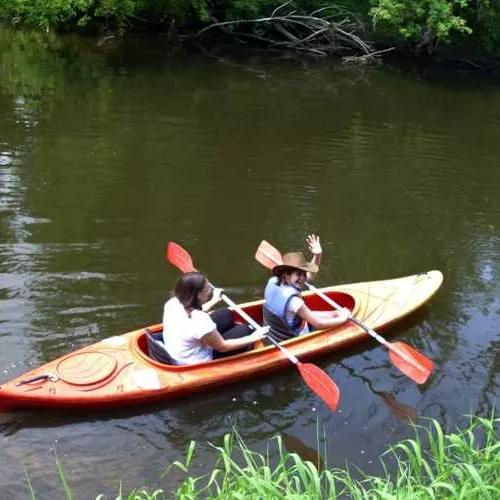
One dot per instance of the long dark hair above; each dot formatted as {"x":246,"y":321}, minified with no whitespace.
{"x":187,"y":288}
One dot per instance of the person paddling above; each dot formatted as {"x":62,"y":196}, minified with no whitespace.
{"x":191,"y":335}
{"x":285,"y":311}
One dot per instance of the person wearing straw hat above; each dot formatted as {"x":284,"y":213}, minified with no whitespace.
{"x":285,"y":311}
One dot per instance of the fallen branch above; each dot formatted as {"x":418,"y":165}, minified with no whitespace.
{"x":315,"y":33}
{"x":365,"y":57}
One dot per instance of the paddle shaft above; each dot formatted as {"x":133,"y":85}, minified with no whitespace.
{"x":317,"y":380}
{"x":334,"y":304}
{"x":367,"y":329}
{"x":255,"y":325}
{"x":412,"y":363}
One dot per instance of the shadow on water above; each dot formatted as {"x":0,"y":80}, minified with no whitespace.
{"x":296,"y":445}
{"x":399,"y":410}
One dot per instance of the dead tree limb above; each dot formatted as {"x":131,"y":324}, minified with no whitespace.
{"x":322,"y":32}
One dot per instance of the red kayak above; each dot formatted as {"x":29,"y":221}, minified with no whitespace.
{"x":118,"y":371}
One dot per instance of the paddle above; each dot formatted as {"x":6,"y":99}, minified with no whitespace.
{"x":411,"y":362}
{"x":317,"y":380}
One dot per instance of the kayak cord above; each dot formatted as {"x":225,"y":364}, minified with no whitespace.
{"x":45,"y":376}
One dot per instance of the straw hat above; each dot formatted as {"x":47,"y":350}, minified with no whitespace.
{"x":295,"y":260}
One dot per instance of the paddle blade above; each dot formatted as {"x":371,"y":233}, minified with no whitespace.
{"x":321,"y":384}
{"x":177,"y":256}
{"x":267,"y":255}
{"x":411,"y":362}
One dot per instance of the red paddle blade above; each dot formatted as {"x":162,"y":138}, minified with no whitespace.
{"x":321,"y":384}
{"x":267,"y":255}
{"x":177,"y":256}
{"x":411,"y":362}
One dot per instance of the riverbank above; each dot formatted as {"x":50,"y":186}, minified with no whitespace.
{"x":434,"y":464}
{"x":451,"y":30}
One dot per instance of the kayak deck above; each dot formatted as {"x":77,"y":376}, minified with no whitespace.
{"x":118,"y":371}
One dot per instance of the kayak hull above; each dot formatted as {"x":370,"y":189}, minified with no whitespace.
{"x":118,"y":371}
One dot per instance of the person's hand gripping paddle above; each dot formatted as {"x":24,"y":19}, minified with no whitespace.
{"x":411,"y":362}
{"x":317,"y":380}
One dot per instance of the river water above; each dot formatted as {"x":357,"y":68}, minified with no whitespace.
{"x":107,"y":151}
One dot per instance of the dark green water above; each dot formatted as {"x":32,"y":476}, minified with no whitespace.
{"x":106,"y":153}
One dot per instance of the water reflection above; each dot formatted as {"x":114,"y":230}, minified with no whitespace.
{"x":151,"y":431}
{"x":398,"y":409}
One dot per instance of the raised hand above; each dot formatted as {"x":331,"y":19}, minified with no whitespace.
{"x":314,"y":244}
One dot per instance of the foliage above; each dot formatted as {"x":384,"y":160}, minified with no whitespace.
{"x":485,"y":20}
{"x":49,"y":14}
{"x":46,"y":14}
{"x":425,"y":22}
{"x":421,"y":23}
{"x":461,"y":464}
{"x":179,"y":11}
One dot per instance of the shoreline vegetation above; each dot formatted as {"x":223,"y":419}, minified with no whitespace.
{"x":433,"y":464}
{"x":356,"y":30}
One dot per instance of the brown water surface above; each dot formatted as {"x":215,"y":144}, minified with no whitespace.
{"x":107,"y":153}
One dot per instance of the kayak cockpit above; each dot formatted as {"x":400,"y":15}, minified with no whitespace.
{"x":150,"y":343}
{"x":313,"y":301}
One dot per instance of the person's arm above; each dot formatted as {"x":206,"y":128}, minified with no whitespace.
{"x":216,"y":341}
{"x":319,"y":320}
{"x":315,"y":247}
{"x":216,"y":297}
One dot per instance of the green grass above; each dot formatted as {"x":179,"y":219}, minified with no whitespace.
{"x":433,"y":465}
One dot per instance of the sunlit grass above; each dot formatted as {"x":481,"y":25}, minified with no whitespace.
{"x":463,"y":464}
{"x":433,"y":465}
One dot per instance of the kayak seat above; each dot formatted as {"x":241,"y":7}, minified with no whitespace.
{"x":278,"y":328}
{"x":156,"y":348}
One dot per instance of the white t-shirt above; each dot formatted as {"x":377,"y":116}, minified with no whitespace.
{"x":182,"y":334}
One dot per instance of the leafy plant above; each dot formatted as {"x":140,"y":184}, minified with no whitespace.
{"x":434,"y":464}
{"x":424,"y":22}
{"x":47,"y":14}
{"x":485,"y":20}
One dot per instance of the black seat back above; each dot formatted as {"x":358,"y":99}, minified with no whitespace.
{"x":157,"y":349}
{"x":278,"y":328}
